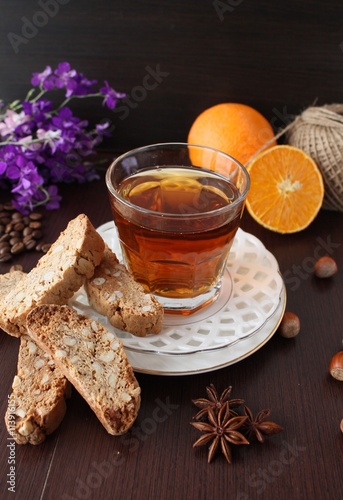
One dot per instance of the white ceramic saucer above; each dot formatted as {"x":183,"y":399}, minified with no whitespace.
{"x":242,"y":320}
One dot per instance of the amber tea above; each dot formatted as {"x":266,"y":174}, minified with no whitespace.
{"x":177,"y":259}
{"x":177,"y":208}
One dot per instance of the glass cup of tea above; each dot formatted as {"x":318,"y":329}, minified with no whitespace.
{"x":177,"y":208}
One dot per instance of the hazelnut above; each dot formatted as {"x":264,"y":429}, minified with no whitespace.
{"x":336,"y":366}
{"x":16,"y":267}
{"x":325,"y":267}
{"x":290,"y":325}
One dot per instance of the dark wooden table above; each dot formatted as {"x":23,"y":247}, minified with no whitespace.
{"x":155,"y":460}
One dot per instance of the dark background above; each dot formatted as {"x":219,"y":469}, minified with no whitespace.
{"x":279,"y":57}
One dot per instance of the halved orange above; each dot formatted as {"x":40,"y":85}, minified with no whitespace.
{"x":286,"y":190}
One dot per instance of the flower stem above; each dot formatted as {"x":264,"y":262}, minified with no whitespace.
{"x":86,"y":96}
{"x":38,"y":96}
{"x":46,"y":199}
{"x":20,"y":143}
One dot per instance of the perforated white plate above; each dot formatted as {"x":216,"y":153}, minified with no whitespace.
{"x":251,"y":294}
{"x":207,"y":361}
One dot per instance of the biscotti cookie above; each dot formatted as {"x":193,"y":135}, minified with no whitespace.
{"x":92,"y":359}
{"x":113,"y":292}
{"x":37,"y":404}
{"x":58,"y":274}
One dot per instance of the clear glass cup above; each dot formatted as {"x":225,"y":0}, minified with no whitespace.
{"x":177,"y":208}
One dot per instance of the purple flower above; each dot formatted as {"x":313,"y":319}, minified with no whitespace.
{"x":80,"y":86}
{"x":3,"y":166}
{"x":65,"y":78}
{"x":28,"y":179}
{"x":11,"y":121}
{"x":50,"y":138}
{"x":111,"y":96}
{"x":37,"y":107}
{"x":45,"y":79}
{"x":102,"y":128}
{"x":63,"y":74}
{"x":41,"y":145}
{"x":54,"y":198}
{"x":13,"y":172}
{"x":76,"y":84}
{"x":48,"y":196}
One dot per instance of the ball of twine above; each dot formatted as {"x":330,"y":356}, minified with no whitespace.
{"x":319,"y":132}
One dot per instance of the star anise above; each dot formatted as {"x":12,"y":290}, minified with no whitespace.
{"x":259,"y":427}
{"x":215,"y":403}
{"x":221,"y":429}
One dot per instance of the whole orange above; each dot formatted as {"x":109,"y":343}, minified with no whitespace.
{"x":236,"y":129}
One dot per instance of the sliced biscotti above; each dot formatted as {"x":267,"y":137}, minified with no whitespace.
{"x":113,"y":292}
{"x":92,"y":359}
{"x":58,"y":274}
{"x":37,"y":404}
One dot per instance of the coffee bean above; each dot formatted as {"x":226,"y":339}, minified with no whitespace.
{"x":17,"y":248}
{"x":9,"y":207}
{"x":16,"y":267}
{"x":37,"y":234}
{"x":15,"y":234}
{"x":30,"y":244}
{"x":19,"y":233}
{"x":17,"y":216}
{"x":35,"y":224}
{"x":4,"y":250}
{"x":42,"y":246}
{"x":14,"y":240}
{"x":5,"y":257}
{"x":27,"y":230}
{"x":46,"y":247}
{"x":4,"y":244}
{"x":35,"y":216}
{"x":27,"y":238}
{"x":19,"y":226}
